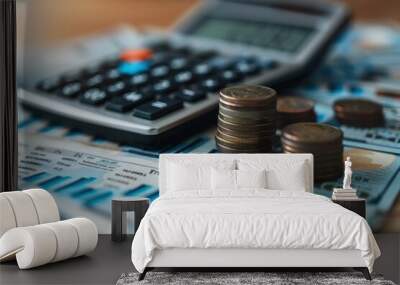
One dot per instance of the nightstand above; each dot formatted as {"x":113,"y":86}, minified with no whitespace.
{"x":357,"y":205}
{"x":119,"y":208}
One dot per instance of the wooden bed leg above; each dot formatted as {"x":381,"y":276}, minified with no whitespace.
{"x":364,"y":271}
{"x":142,"y":275}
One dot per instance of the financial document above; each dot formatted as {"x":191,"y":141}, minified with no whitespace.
{"x":84,"y":173}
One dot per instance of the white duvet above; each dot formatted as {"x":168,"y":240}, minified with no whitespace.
{"x":250,"y":219}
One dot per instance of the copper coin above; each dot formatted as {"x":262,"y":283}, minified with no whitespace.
{"x":245,"y":126}
{"x":320,"y":148}
{"x":312,"y":133}
{"x":248,"y":114}
{"x":357,"y":107}
{"x":294,"y":105}
{"x":245,"y":133}
{"x":255,"y":140}
{"x":241,"y":146}
{"x":248,"y":95}
{"x":246,"y":121}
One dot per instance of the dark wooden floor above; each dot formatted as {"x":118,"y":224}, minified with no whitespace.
{"x":110,"y":260}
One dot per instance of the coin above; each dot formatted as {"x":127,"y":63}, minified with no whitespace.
{"x":248,"y":105}
{"x":292,"y":109}
{"x":248,"y":114}
{"x":245,"y":126}
{"x":255,"y":140}
{"x":241,"y":146}
{"x":246,"y":119}
{"x":359,"y":112}
{"x":245,"y":133}
{"x":312,"y":133}
{"x":315,"y":151}
{"x":314,"y":148}
{"x":227,"y":149}
{"x":323,"y":141}
{"x":248,"y":93}
{"x":296,"y":105}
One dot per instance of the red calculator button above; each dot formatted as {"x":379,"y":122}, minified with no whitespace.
{"x":136,"y":55}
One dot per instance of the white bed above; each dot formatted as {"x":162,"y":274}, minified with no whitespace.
{"x":248,"y":227}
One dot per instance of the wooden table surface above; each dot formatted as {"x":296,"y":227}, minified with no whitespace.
{"x":66,"y":19}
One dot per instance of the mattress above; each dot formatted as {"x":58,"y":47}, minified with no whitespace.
{"x":250,"y":219}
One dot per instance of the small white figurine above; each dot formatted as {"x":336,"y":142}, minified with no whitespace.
{"x":347,"y":174}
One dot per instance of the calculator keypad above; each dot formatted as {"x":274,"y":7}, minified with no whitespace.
{"x":158,"y":108}
{"x":127,"y":101}
{"x":165,"y":74}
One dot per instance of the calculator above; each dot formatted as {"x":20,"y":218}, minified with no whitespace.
{"x":165,"y":86}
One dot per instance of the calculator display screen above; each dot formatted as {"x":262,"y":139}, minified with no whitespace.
{"x":286,"y":38}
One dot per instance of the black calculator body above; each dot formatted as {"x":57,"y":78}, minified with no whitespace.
{"x":165,"y":86}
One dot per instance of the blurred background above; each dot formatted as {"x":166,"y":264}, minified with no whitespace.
{"x":370,"y":44}
{"x":89,"y":16}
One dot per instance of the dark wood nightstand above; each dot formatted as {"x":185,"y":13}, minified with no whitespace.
{"x":119,"y":208}
{"x":357,"y":205}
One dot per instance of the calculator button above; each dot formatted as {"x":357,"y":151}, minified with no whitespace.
{"x":191,"y":94}
{"x":220,"y":63}
{"x":183,"y":77}
{"x":230,"y":76}
{"x":70,"y":90}
{"x":139,"y":80}
{"x":127,"y":101}
{"x":136,"y":55}
{"x":159,"y":71}
{"x":94,"y":81}
{"x":48,"y":85}
{"x":202,"y":70}
{"x":94,"y":96}
{"x":116,"y":88}
{"x":247,"y":68}
{"x":212,"y":84}
{"x":158,"y":108}
{"x":164,"y":86}
{"x":163,"y":58}
{"x":113,"y":74}
{"x":178,"y":63}
{"x":132,"y":68}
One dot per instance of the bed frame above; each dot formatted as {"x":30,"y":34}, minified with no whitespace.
{"x":240,"y":259}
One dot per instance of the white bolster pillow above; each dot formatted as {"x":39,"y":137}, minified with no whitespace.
{"x":46,"y":207}
{"x":40,"y":244}
{"x":7,"y":219}
{"x":26,"y":208}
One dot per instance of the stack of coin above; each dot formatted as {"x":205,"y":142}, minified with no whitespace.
{"x":359,"y":113}
{"x":247,"y":119}
{"x":323,"y":141}
{"x":294,"y":110}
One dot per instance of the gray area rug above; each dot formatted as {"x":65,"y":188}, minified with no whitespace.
{"x":269,"y":278}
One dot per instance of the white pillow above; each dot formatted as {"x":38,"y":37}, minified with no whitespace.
{"x":184,"y":176}
{"x":251,"y":179}
{"x":223,"y":179}
{"x":281,"y":174}
{"x":229,"y":180}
